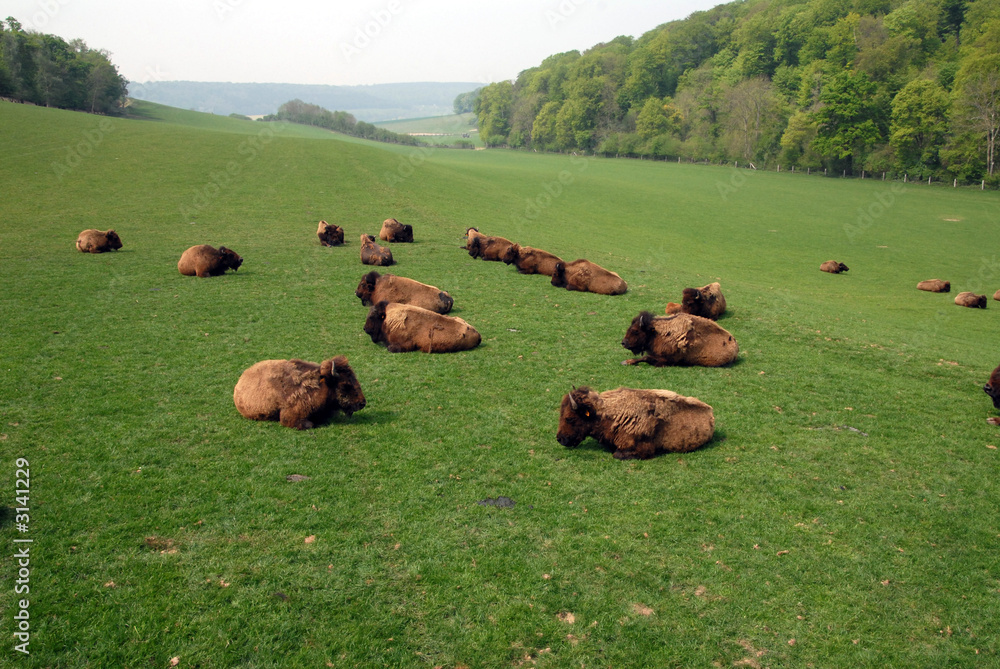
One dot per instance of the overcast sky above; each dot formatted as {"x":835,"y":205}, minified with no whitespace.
{"x":337,"y":42}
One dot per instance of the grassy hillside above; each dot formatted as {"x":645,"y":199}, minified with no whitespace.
{"x":843,"y":516}
{"x":438,"y":129}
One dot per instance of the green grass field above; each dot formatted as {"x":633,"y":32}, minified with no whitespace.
{"x":844,"y":515}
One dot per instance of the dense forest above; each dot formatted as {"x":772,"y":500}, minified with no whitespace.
{"x":898,"y":86}
{"x":46,"y":70}
{"x":297,"y":111}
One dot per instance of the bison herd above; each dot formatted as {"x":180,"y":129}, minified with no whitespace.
{"x":407,"y":315}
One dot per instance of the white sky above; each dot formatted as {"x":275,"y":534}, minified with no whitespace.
{"x":337,"y":42}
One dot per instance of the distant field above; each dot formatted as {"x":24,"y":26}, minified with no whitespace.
{"x":845,"y":515}
{"x":451,"y":127}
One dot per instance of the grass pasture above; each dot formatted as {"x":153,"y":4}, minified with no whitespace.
{"x":844,"y":515}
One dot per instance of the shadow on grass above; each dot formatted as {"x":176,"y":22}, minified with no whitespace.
{"x":591,"y":444}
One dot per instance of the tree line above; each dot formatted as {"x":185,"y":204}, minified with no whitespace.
{"x":297,"y":111}
{"x":47,"y":70}
{"x":898,"y":86}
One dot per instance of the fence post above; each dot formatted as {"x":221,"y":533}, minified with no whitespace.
{"x":928,"y":181}
{"x":955,"y":185}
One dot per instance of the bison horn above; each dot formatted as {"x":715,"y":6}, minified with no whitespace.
{"x":572,"y":403}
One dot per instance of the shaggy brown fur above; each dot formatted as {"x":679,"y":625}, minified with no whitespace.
{"x":375,"y":287}
{"x":95,"y":241}
{"x":204,"y":260}
{"x":707,"y":302}
{"x":486,"y":247}
{"x":330,"y":235}
{"x":635,"y":423}
{"x":971,"y":300}
{"x":679,"y":339}
{"x":935,"y":286}
{"x":833,"y":267}
{"x":584,"y":275}
{"x":530,"y":260}
{"x":373,"y":254}
{"x":298,"y":393}
{"x":394,"y":231}
{"x":992,"y":387}
{"x":403,"y":327}
{"x":996,"y":295}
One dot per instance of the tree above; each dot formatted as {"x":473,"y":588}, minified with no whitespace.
{"x":466,"y":102}
{"x":919,"y":124}
{"x":657,"y":117}
{"x":543,"y":131}
{"x":850,"y":117}
{"x":493,"y":107}
{"x":978,"y":109}
{"x":748,"y":108}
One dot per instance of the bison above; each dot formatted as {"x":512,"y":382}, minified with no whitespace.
{"x":679,"y":339}
{"x":375,"y":287}
{"x":833,"y":267}
{"x":373,"y":254}
{"x":935,"y":286}
{"x":204,"y":260}
{"x":996,"y":295}
{"x":971,"y":300}
{"x":584,"y":275}
{"x":485,"y":246}
{"x":992,"y":387}
{"x":394,"y":231}
{"x":707,"y":302}
{"x":635,"y":424}
{"x":404,"y":327}
{"x":298,"y":393}
{"x":96,"y":241}
{"x":330,"y":235}
{"x":529,"y":260}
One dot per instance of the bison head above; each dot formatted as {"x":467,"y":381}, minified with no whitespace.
{"x":406,"y":235}
{"x":367,"y":239}
{"x":692,"y":300}
{"x":114,"y":241}
{"x":559,"y":275}
{"x":577,"y":415}
{"x":512,"y":254}
{"x":367,"y":287}
{"x":476,"y":247}
{"x":373,"y":324}
{"x":841,"y":267}
{"x":639,"y":333}
{"x":344,"y":386}
{"x":230,"y":259}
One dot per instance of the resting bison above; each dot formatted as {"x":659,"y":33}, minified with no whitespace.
{"x":635,"y":423}
{"x":586,"y":276}
{"x":529,"y":260}
{"x":996,"y":295}
{"x":298,"y":393}
{"x":330,"y":235}
{"x":204,"y":260}
{"x":373,"y":254}
{"x":394,"y":231}
{"x":992,"y":387}
{"x":486,"y":247}
{"x":970,"y":300}
{"x":95,"y":241}
{"x":935,"y":286}
{"x":679,"y":339}
{"x":403,"y":328}
{"x":707,"y":302}
{"x":375,"y":287}
{"x":833,"y":267}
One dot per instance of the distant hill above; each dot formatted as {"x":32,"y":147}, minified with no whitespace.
{"x":377,"y":102}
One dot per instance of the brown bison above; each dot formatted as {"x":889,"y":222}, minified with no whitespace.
{"x":375,"y":287}
{"x":679,"y":339}
{"x":394,"y":231}
{"x":935,"y":286}
{"x":833,"y":267}
{"x":330,"y":235}
{"x":404,"y":327}
{"x":204,"y":260}
{"x":971,"y":300}
{"x":707,"y":302}
{"x":992,"y":387}
{"x":529,"y":260}
{"x":996,"y":295}
{"x":584,"y":275}
{"x":298,"y":393}
{"x":486,"y":247}
{"x":373,"y":254}
{"x":635,"y":423}
{"x":95,"y":241}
